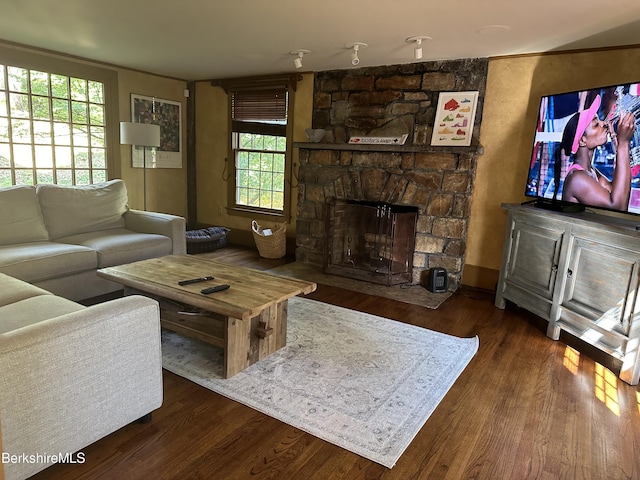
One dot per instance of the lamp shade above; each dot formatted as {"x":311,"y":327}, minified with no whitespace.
{"x":141,"y":134}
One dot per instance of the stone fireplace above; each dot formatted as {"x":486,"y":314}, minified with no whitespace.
{"x":371,"y":241}
{"x":436,"y":181}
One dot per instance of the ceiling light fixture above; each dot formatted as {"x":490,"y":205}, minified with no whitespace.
{"x":493,"y":29}
{"x":354,"y":55}
{"x":300,"y":52}
{"x":417,"y":51}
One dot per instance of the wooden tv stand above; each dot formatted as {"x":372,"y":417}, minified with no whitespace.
{"x":580,"y":272}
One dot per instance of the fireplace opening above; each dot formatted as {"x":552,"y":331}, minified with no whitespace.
{"x":371,"y":241}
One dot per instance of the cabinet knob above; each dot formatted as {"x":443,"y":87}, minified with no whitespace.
{"x":554,"y":268}
{"x":569,"y":272}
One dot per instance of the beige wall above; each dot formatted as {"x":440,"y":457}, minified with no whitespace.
{"x":514,"y":88}
{"x":213,"y":166}
{"x":166,"y":187}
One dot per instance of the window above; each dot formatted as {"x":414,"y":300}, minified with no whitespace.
{"x":260,"y":148}
{"x":260,"y":162}
{"x":53,"y":121}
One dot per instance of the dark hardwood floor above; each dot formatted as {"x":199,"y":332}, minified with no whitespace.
{"x":525,"y":408}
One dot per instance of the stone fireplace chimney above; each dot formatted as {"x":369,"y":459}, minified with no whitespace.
{"x":392,"y":101}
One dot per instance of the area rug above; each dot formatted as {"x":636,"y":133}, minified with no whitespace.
{"x":365,"y":383}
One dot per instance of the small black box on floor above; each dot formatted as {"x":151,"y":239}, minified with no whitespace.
{"x":437,"y":280}
{"x":206,"y":239}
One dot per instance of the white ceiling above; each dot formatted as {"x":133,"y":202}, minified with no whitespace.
{"x":200,"y":39}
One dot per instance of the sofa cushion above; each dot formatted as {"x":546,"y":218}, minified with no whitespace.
{"x":69,"y":210}
{"x":119,"y":246}
{"x":33,"y":310}
{"x":13,"y":290}
{"x":33,"y":262}
{"x":20,"y":216}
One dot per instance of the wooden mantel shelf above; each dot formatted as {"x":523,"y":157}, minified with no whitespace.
{"x":473,"y":149}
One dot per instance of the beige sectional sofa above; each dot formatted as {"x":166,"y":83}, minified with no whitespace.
{"x":56,"y":237}
{"x":71,"y":374}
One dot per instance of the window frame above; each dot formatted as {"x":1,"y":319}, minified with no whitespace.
{"x":54,"y":64}
{"x":240,"y":150}
{"x":250,"y":211}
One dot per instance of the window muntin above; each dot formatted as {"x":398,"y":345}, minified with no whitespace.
{"x":52,"y":128}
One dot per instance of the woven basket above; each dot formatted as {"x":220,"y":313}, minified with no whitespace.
{"x":270,"y":246}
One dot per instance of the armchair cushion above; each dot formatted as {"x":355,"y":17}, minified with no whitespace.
{"x":70,"y":210}
{"x":33,"y":310}
{"x":119,"y":245}
{"x":33,"y":262}
{"x":13,"y":290}
{"x":20,"y":216}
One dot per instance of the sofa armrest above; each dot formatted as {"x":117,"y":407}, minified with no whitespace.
{"x":71,"y":380}
{"x":171,"y":226}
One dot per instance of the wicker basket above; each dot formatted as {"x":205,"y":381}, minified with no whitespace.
{"x":270,"y":246}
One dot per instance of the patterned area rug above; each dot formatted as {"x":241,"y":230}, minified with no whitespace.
{"x":365,"y":383}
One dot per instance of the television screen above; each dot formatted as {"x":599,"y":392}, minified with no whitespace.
{"x":586,"y":149}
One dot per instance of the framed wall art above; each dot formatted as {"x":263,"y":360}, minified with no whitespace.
{"x":455,"y":115}
{"x":167,"y":114}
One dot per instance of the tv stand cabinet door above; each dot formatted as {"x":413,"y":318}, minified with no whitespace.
{"x":599,"y":294}
{"x":530,"y":262}
{"x":591,"y":288}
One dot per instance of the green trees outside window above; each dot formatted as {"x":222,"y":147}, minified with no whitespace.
{"x":52,"y":128}
{"x":260,"y":170}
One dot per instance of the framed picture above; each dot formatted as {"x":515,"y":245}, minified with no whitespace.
{"x":167,"y":114}
{"x":454,"y":120}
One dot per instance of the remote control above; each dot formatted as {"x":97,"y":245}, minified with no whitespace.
{"x":217,"y":288}
{"x":195,"y":280}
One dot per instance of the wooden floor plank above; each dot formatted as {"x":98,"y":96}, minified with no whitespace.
{"x":525,"y":408}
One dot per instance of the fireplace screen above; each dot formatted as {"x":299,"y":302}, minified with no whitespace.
{"x":370,"y":241}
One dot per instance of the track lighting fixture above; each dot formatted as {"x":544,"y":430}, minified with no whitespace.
{"x":300,"y":52}
{"x":417,"y":51}
{"x":354,"y":55}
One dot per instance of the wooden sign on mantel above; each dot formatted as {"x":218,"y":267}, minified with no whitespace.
{"x":379,"y":140}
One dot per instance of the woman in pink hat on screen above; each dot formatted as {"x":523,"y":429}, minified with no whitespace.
{"x":583,"y":183}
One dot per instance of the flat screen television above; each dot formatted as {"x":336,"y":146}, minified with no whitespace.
{"x":577,"y":160}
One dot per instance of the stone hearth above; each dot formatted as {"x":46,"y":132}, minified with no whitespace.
{"x":391,"y":101}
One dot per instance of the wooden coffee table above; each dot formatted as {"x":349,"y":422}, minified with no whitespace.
{"x":248,"y":320}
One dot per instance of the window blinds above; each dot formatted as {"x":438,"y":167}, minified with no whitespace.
{"x":260,"y":111}
{"x":264,"y":105}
